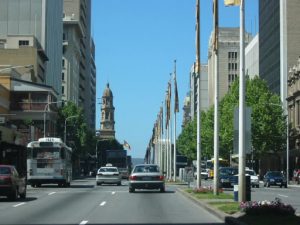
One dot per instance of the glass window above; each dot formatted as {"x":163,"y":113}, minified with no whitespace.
{"x":23,"y":42}
{"x":4,"y":170}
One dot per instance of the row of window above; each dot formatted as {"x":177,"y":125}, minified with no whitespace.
{"x":232,"y":55}
{"x":232,"y":66}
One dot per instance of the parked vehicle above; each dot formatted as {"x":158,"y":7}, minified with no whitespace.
{"x":253,"y":177}
{"x":227,"y":177}
{"x":108,"y":175}
{"x":12,"y":184}
{"x":275,"y":178}
{"x":146,"y":176}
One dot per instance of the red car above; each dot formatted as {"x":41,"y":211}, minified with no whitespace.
{"x":11,"y":184}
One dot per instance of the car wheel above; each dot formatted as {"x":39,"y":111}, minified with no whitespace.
{"x":131,"y":190}
{"x":23,"y":195}
{"x":162,"y":189}
{"x":14,"y":195}
{"x":257,"y":186}
{"x":119,"y":184}
{"x":99,"y":184}
{"x":268,"y":184}
{"x":33,"y":185}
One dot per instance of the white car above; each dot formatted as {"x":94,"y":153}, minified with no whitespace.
{"x":253,"y":177}
{"x":108,"y":175}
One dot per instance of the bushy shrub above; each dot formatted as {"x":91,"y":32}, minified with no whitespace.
{"x":267,"y":207}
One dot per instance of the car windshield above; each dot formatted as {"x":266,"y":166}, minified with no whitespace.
{"x":108,"y":169}
{"x":251,"y":172}
{"x":275,"y":174}
{"x":146,"y":169}
{"x":228,"y":171}
{"x":4,"y":170}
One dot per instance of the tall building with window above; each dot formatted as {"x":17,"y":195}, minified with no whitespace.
{"x":43,"y":20}
{"x":229,"y":61}
{"x":79,"y":70}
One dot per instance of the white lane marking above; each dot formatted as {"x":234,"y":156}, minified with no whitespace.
{"x":113,"y":193}
{"x":51,"y":193}
{"x":83,"y":222}
{"x":102,"y":203}
{"x":285,"y":196}
{"x":23,"y":203}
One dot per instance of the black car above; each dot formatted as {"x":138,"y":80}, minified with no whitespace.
{"x":275,"y":178}
{"x":227,"y":176}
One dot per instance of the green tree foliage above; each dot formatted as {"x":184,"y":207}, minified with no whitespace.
{"x":268,"y":123}
{"x":76,"y":127}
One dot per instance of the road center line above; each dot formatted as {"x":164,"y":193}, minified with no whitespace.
{"x":113,"y":193}
{"x":285,"y":196}
{"x":51,"y":193}
{"x":83,"y":222}
{"x":23,"y":203}
{"x":102,"y":203}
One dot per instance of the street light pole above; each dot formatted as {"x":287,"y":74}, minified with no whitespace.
{"x":49,"y":103}
{"x":65,"y":132}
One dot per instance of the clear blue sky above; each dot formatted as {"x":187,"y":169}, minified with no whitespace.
{"x":136,"y":44}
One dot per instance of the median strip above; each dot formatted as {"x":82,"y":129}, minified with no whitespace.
{"x":23,"y":203}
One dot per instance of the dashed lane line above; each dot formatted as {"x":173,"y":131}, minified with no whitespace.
{"x":102,"y":203}
{"x":51,"y":193}
{"x":22,"y":203}
{"x":285,"y":196}
{"x":83,"y":222}
{"x":113,"y":193}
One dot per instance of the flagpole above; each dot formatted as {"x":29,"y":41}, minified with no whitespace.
{"x":198,"y":95}
{"x":216,"y":108}
{"x":175,"y":110}
{"x":242,"y":158}
{"x":170,"y":136}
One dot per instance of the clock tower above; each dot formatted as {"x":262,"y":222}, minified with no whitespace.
{"x":107,"y":125}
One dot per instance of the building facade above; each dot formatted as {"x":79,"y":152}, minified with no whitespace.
{"x":293,"y":102}
{"x":274,"y":38}
{"x":194,"y":90}
{"x":107,"y":124}
{"x":42,"y":19}
{"x":229,"y":61}
{"x":252,"y":58}
{"x":79,"y":69}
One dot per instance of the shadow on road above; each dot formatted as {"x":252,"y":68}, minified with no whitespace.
{"x":18,"y":200}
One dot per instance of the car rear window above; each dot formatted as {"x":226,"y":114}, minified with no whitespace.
{"x":111,"y":169}
{"x":146,"y":169}
{"x":4,"y":170}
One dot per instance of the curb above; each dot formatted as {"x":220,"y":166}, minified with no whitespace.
{"x":230,"y":220}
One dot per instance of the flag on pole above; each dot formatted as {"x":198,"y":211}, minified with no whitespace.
{"x":176,"y":104}
{"x":168,"y":104}
{"x":126,"y":145}
{"x":216,"y":24}
{"x":232,"y":2}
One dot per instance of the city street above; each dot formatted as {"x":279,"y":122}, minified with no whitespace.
{"x":85,"y":203}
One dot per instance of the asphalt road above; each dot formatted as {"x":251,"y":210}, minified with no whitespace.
{"x":85,"y":203}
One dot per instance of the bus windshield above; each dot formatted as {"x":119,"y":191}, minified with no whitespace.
{"x":45,"y":153}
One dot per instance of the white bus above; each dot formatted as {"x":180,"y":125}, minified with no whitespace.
{"x":49,"y":161}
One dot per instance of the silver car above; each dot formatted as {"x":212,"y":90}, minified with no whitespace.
{"x":146,"y":176}
{"x":108,"y":175}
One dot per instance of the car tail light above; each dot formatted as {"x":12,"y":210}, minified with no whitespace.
{"x":132,"y":177}
{"x":161,"y":177}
